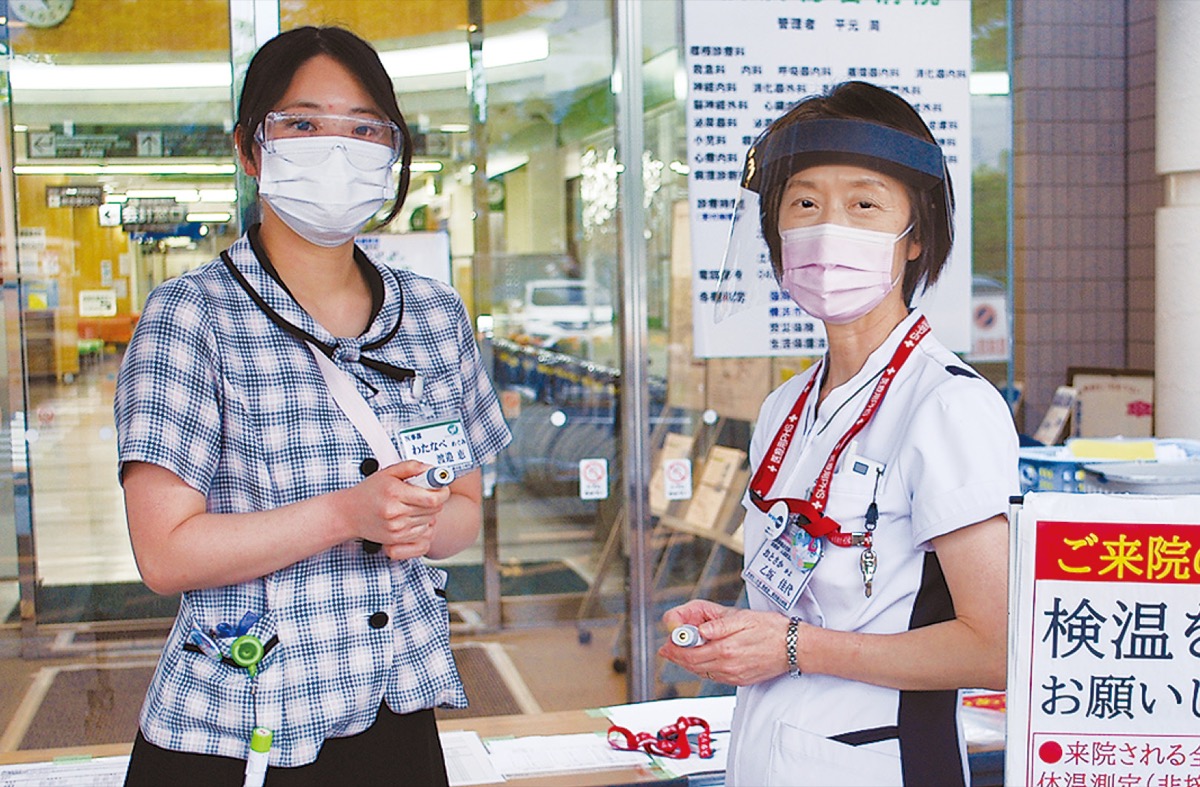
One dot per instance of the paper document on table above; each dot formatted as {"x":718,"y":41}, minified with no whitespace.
{"x":653,"y":716}
{"x":94,"y":772}
{"x":467,"y":760}
{"x":693,"y":765}
{"x":542,"y":754}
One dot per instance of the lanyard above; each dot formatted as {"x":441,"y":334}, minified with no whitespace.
{"x":395,"y":372}
{"x":813,"y":509}
{"x":352,"y":403}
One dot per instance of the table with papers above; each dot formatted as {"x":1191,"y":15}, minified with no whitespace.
{"x":560,"y":749}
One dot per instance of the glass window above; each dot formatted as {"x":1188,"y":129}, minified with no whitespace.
{"x":120,"y":121}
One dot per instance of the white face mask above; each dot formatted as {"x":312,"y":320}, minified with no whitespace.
{"x":329,"y":202}
{"x":837,"y":274}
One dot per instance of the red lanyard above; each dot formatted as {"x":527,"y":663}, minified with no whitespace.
{"x":813,"y":509}
{"x":671,"y":741}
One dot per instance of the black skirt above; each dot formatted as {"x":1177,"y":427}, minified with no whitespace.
{"x":398,"y":749}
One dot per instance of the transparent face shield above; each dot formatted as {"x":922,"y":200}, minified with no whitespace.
{"x":746,"y":279}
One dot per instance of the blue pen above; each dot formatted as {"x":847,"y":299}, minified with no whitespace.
{"x":205,"y":643}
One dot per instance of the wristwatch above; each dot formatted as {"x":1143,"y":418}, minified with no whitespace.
{"x":793,"y":668}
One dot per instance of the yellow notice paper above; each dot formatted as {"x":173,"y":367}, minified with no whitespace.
{"x":1128,"y":450}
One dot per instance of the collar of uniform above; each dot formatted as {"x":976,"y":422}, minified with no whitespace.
{"x":850,"y":390}
{"x":387,"y":302}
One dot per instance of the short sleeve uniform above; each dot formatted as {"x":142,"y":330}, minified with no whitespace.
{"x":218,"y":393}
{"x":939,"y":454}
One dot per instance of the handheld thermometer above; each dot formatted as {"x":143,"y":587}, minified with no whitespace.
{"x":686,"y":636}
{"x":433,"y":478}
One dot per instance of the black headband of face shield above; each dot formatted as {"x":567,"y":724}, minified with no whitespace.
{"x":787,"y":150}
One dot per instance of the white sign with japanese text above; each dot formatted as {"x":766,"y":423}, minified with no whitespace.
{"x":593,"y":479}
{"x":1104,"y":641}
{"x":677,"y":479}
{"x":747,"y":63}
{"x":426,"y":253}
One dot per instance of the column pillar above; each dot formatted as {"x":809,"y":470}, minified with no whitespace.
{"x":1177,"y":223}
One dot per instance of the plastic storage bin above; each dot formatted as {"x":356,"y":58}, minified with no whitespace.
{"x":1058,"y":468}
{"x":1148,"y":478}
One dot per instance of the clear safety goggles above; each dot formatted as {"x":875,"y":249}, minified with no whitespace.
{"x":280,"y":127}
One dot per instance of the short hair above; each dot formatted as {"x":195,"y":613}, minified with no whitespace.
{"x":932,"y":207}
{"x":274,"y":66}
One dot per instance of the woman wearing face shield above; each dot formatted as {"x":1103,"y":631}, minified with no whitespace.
{"x":272,"y":409}
{"x":875,"y":526}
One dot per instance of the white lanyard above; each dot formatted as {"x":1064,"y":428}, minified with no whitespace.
{"x":351,"y":402}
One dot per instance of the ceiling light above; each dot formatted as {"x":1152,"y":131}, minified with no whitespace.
{"x":33,"y":75}
{"x":179,"y":195}
{"x":213,"y":218}
{"x":162,"y":168}
{"x":218,"y":195}
{"x":503,"y":50}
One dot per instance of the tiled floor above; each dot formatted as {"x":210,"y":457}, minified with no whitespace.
{"x":558,"y":671}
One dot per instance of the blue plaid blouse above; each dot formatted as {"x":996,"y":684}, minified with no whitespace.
{"x":216,"y":392}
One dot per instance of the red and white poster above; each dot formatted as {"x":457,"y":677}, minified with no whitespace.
{"x":1104,"y":642}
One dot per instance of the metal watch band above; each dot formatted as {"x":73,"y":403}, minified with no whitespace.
{"x":793,"y":668}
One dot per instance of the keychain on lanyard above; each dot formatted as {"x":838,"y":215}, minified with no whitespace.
{"x":810,"y":513}
{"x":247,"y":651}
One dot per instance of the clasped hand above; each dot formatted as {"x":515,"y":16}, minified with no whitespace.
{"x":388,"y":510}
{"x":741,"y":646}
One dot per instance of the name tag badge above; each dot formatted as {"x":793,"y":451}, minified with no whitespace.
{"x":442,"y":443}
{"x":783,"y":565}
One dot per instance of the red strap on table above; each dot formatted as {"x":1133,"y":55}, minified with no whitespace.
{"x":671,"y":741}
{"x":813,"y":509}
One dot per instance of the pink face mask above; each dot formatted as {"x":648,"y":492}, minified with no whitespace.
{"x":835,"y":273}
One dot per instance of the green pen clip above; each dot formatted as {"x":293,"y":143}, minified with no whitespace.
{"x":247,"y":651}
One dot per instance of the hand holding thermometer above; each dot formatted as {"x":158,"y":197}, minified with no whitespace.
{"x":433,"y":478}
{"x":686,"y":636}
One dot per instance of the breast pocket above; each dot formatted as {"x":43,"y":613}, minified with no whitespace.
{"x":799,"y":758}
{"x":857,"y":482}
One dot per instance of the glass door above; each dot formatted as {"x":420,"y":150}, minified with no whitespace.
{"x":120,"y":120}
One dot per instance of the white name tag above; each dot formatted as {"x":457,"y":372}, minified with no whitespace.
{"x":784,"y":565}
{"x":442,"y":443}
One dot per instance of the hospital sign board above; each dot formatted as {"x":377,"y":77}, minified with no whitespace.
{"x":1104,"y":642}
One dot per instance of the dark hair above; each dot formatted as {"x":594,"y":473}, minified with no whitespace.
{"x":932,"y":207}
{"x":275,"y":65}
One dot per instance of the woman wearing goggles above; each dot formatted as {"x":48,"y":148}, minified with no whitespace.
{"x":264,"y":409}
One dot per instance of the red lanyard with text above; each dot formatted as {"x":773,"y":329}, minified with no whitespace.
{"x":812,"y":511}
